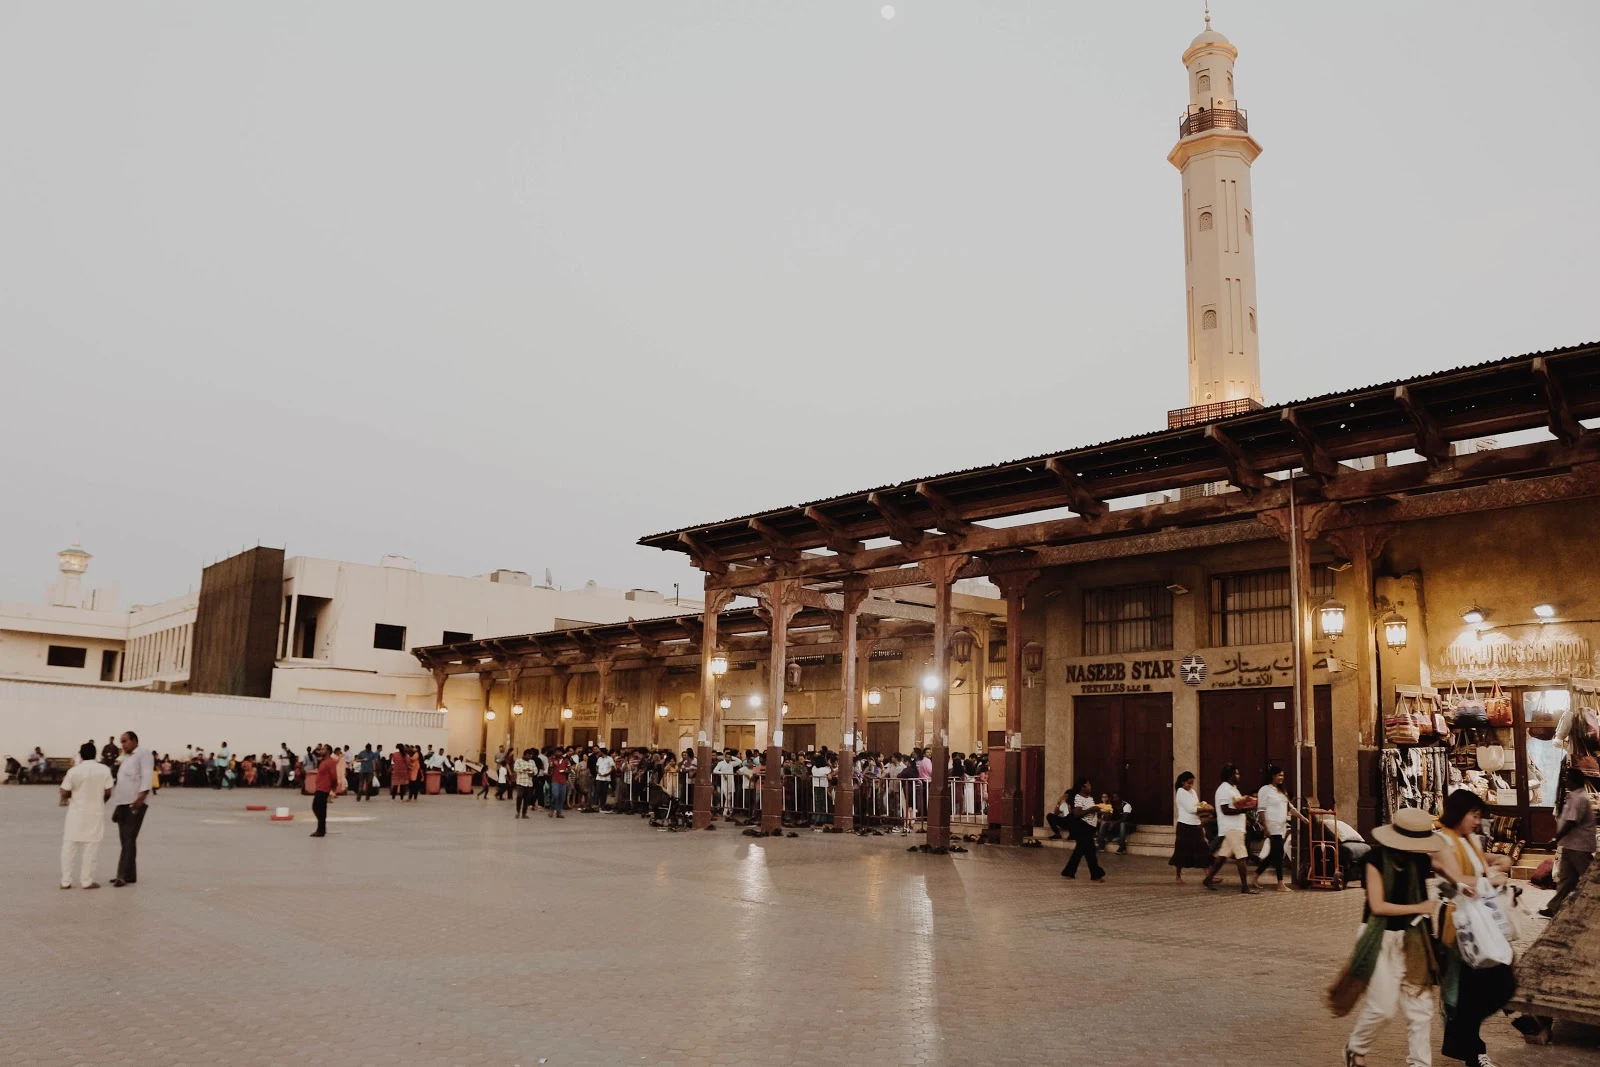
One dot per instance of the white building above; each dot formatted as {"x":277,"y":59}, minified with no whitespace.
{"x":81,"y":637}
{"x":344,"y":629}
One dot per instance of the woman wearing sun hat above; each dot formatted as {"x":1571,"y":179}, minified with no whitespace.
{"x":1393,"y":962}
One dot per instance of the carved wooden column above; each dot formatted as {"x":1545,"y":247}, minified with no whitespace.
{"x":602,"y":714}
{"x":943,"y":570}
{"x":563,"y":676}
{"x":486,"y":680}
{"x":850,"y":717}
{"x":716,"y":600}
{"x":439,"y":679}
{"x":1013,"y":584}
{"x":782,"y":602}
{"x":1361,"y":545}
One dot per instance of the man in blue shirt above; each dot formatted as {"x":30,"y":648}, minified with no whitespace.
{"x":364,"y":761}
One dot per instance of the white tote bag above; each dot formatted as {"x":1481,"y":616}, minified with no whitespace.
{"x":1478,"y":935}
{"x":1499,"y":904}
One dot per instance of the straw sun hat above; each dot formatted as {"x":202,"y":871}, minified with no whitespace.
{"x":1411,"y":830}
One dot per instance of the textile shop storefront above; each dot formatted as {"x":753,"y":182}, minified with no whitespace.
{"x":1307,"y":562}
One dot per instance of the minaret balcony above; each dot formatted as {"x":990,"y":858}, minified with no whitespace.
{"x":1216,"y":118}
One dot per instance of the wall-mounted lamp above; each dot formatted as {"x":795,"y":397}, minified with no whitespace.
{"x":1331,"y":615}
{"x":874,"y":696}
{"x":929,"y":703}
{"x":726,"y":703}
{"x":1178,"y":590}
{"x":1545,"y":612}
{"x":785,"y":709}
{"x":662,"y":711}
{"x":997,"y":692}
{"x":443,"y":710}
{"x":961,"y":642}
{"x":930,"y":682}
{"x":755,"y":700}
{"x":566,"y":713}
{"x":489,"y":716}
{"x":719,"y":664}
{"x":1474,"y":615}
{"x":1395,"y":630}
{"x":516,"y":709}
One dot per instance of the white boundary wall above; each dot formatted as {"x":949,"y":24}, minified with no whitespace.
{"x":61,"y":717}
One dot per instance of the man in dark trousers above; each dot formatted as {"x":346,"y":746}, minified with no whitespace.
{"x":327,"y":781}
{"x":128,"y":805}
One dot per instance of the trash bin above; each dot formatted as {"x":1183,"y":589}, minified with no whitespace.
{"x":464,"y":783}
{"x":431,"y":781}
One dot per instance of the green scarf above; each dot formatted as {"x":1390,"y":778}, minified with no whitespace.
{"x":1421,"y":967}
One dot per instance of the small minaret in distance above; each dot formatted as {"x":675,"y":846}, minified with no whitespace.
{"x":1214,"y":153}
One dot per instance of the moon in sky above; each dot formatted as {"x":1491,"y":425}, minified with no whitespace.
{"x":887,"y":11}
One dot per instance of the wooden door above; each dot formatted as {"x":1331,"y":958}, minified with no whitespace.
{"x":584,"y":735}
{"x":619,"y":738}
{"x":552,"y":736}
{"x":884,"y":737}
{"x":799,"y":737}
{"x":1097,"y":746}
{"x":741,"y":738}
{"x":1147,"y":774}
{"x":1248,"y":728}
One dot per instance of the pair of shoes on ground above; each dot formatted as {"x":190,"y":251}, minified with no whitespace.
{"x":91,"y":885}
{"x":119,"y":883}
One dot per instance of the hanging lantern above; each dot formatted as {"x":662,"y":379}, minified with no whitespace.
{"x":1395,"y":631}
{"x":961,"y":643}
{"x":792,"y":674}
{"x":566,"y":713}
{"x":929,"y":703}
{"x":662,"y":711}
{"x":785,"y":708}
{"x":725,"y":703}
{"x":1331,"y":615}
{"x":1033,"y":657}
{"x":516,"y":709}
{"x":719,"y":664}
{"x":874,"y":696}
{"x":489,"y":716}
{"x":997,"y":692}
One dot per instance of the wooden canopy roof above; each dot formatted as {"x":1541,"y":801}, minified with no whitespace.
{"x":1555,"y":389}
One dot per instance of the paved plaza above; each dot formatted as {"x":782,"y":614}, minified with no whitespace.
{"x":447,"y":932}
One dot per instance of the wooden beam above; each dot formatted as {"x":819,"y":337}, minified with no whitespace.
{"x":900,"y":527}
{"x":1079,"y":498}
{"x":1431,"y":443}
{"x":1240,"y":473}
{"x":837,"y":539}
{"x":1564,"y":423}
{"x":778,"y":546}
{"x":944,"y":510}
{"x":1317,"y":461}
{"x":1351,"y":486}
{"x":703,"y":557}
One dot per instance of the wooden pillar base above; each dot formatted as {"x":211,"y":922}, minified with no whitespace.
{"x":844,"y":791}
{"x":702,"y":788}
{"x":1011,"y":828}
{"x":772,"y":791}
{"x":939,"y":799}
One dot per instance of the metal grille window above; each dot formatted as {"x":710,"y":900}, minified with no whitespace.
{"x":1253,"y":608}
{"x":1131,"y":618}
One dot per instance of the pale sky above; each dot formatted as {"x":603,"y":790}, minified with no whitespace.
{"x":513,"y":284}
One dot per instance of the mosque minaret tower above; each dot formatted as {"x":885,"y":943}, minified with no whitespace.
{"x":1214,"y":152}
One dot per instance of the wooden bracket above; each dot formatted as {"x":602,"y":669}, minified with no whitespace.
{"x":778,"y":546}
{"x":1240,"y":473}
{"x":1431,"y":444}
{"x":1079,"y":498}
{"x":1564,"y":422}
{"x":702,"y":556}
{"x":837,"y":539}
{"x":1317,"y":460}
{"x":900,"y":528}
{"x":944,"y":510}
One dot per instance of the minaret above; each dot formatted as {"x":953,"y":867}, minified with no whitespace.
{"x":1214,"y":152}
{"x":68,"y":590}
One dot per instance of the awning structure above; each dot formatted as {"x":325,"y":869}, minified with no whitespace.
{"x":1325,"y":437}
{"x":1315,"y":470}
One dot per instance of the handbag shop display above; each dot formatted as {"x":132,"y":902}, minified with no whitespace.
{"x":1509,"y":747}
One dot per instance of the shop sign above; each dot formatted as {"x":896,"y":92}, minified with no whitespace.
{"x":1192,"y":669}
{"x":1119,"y":676}
{"x":1239,"y":672}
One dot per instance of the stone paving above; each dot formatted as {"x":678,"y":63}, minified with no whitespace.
{"x":448,"y":932}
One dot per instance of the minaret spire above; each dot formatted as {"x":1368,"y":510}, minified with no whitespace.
{"x":1214,"y":152}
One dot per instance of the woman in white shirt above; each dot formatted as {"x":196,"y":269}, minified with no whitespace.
{"x":1189,"y":849}
{"x":1275,"y":811}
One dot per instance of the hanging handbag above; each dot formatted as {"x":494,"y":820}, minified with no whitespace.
{"x":1587,"y":726}
{"x":1497,"y":706}
{"x":1448,"y":702}
{"x":1424,"y":718}
{"x":1400,"y":725}
{"x":1491,"y":758}
{"x":1470,"y":710}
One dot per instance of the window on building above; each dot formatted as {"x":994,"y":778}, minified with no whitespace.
{"x":1208,"y":321}
{"x":386,"y":636}
{"x":455,"y":637}
{"x":1130,"y":618}
{"x":1205,"y":220}
{"x":108,"y":665}
{"x":1205,"y":83}
{"x":1254,"y":608}
{"x":66,"y":656}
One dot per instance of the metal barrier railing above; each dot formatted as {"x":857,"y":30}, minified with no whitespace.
{"x":969,"y":800}
{"x":735,"y":795}
{"x":896,"y":803}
